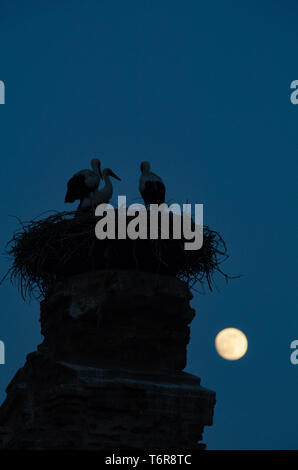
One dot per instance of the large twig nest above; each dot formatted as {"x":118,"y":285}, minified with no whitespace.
{"x":46,"y":250}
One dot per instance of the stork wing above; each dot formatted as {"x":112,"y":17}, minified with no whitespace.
{"x":154,"y":192}
{"x":76,"y":188}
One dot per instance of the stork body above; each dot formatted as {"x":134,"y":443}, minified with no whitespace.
{"x":100,"y":196}
{"x":84,"y":183}
{"x":151,"y":186}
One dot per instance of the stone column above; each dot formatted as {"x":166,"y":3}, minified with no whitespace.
{"x":109,"y":373}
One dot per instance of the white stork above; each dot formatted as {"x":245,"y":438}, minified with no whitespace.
{"x":84,"y":182}
{"x":100,"y":196}
{"x":151,"y":186}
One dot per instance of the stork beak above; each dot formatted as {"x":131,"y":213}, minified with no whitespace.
{"x":115,"y":176}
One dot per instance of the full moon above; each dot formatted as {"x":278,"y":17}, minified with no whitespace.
{"x":231,"y":344}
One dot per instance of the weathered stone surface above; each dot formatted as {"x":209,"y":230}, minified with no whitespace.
{"x":108,"y":374}
{"x":122,"y":318}
{"x":53,"y":405}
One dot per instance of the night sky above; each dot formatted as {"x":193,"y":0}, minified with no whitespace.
{"x":202,"y":91}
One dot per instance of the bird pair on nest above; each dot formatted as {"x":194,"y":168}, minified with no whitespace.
{"x":83,"y":186}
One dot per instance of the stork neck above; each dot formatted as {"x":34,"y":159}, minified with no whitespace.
{"x":107,"y":180}
{"x":95,"y":168}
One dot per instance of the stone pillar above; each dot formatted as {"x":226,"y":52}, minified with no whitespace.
{"x":109,"y":373}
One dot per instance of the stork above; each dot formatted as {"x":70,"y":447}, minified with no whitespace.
{"x":84,"y":182}
{"x":100,"y":196}
{"x":151,"y":186}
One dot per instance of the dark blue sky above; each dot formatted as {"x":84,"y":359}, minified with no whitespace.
{"x":202,"y":91}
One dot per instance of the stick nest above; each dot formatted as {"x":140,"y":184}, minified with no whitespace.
{"x":46,"y":250}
